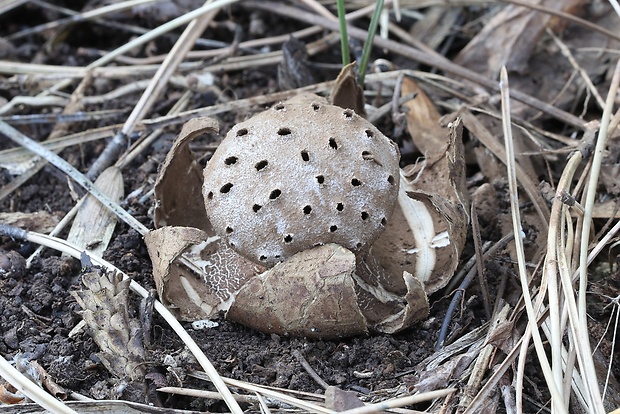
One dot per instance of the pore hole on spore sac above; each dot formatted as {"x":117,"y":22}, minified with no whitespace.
{"x":365,"y":215}
{"x":279,"y":107}
{"x":242,"y":132}
{"x":348,"y":113}
{"x":275,"y":194}
{"x":307,"y":210}
{"x":383,"y":221}
{"x":369,"y":133}
{"x":288,"y":238}
{"x":229,"y":230}
{"x":284,"y":131}
{"x":315,"y":106}
{"x":210,"y":195}
{"x":230,"y":160}
{"x":320,"y":179}
{"x":226,"y":188}
{"x":339,"y":206}
{"x":333,"y":228}
{"x":355,"y":182}
{"x":333,"y":144}
{"x":305,"y":156}
{"x":256,"y":207}
{"x":391,"y":179}
{"x":260,"y":165}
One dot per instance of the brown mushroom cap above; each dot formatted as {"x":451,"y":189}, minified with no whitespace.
{"x":301,"y":174}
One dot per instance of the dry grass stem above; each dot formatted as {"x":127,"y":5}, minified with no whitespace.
{"x":516,"y":221}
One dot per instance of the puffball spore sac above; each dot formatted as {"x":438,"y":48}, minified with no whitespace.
{"x":301,"y":174}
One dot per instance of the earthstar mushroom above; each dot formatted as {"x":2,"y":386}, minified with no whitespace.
{"x":301,"y":174}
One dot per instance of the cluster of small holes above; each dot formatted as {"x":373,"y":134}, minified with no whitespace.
{"x":337,"y":230}
{"x":260,"y":165}
{"x":275,"y":194}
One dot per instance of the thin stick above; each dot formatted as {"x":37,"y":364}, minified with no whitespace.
{"x":68,"y":169}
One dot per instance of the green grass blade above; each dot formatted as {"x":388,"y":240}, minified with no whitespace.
{"x":372,"y":30}
{"x":344,"y":38}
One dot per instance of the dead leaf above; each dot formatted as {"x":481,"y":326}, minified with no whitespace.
{"x":293,"y":70}
{"x":39,"y":221}
{"x":423,"y":122}
{"x":509,"y":38}
{"x":94,"y":224}
{"x":441,"y":377}
{"x":178,"y":189}
{"x":347,"y":93}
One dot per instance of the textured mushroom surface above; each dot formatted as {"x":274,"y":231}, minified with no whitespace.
{"x":301,"y":174}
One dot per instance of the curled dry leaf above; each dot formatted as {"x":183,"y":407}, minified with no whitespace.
{"x":423,"y":122}
{"x":267,"y":191}
{"x":118,"y":335}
